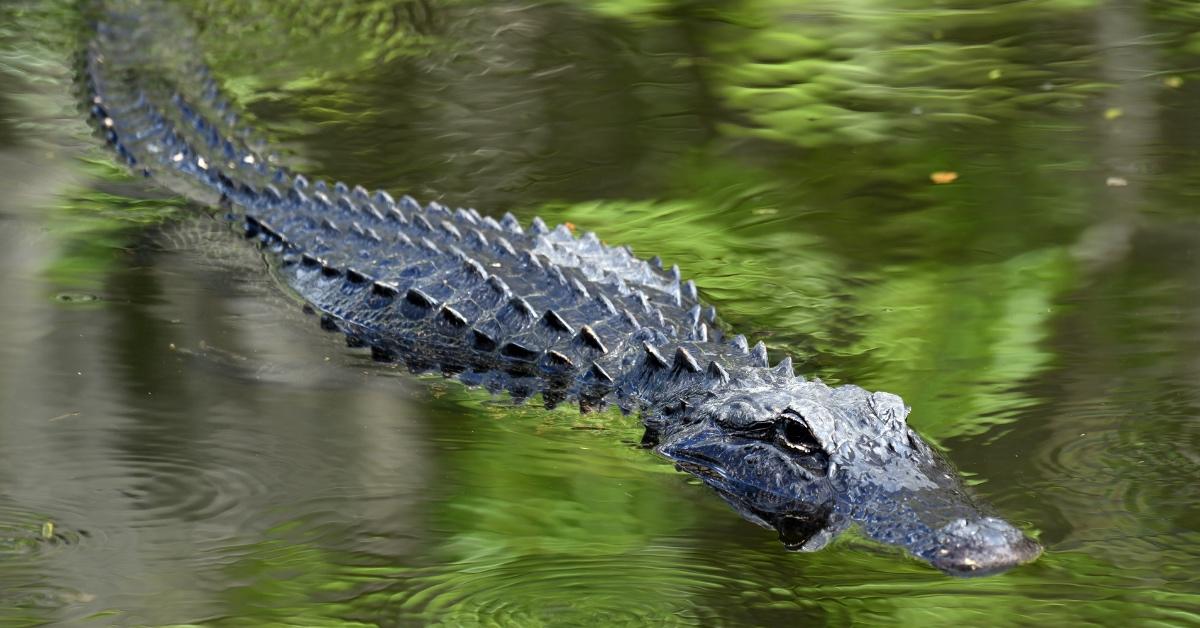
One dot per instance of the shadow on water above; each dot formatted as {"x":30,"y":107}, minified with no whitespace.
{"x":180,"y":444}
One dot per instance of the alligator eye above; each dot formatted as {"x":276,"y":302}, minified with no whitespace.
{"x":796,"y":435}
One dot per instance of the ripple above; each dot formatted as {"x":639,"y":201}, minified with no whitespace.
{"x":1082,"y":456}
{"x":165,"y":490}
{"x":556,"y":589}
{"x":25,"y":533}
{"x":44,"y":527}
{"x":32,"y":543}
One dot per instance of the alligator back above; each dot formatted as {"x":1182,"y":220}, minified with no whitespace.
{"x":533,"y":310}
{"x":526,"y":310}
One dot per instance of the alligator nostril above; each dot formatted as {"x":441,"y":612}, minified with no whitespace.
{"x":982,"y":547}
{"x":991,"y":561}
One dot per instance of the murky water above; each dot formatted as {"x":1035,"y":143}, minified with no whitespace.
{"x":180,"y":444}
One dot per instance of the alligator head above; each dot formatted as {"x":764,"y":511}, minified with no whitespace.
{"x":809,"y":461}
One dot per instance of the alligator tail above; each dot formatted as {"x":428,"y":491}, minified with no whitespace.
{"x":410,"y":282}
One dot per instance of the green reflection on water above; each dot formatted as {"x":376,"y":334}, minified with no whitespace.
{"x":780,"y":153}
{"x":94,"y":232}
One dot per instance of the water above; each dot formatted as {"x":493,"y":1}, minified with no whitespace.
{"x":180,"y":444}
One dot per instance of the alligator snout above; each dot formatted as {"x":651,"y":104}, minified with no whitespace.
{"x":981,"y":547}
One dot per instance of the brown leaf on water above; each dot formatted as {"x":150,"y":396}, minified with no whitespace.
{"x":943,"y":177}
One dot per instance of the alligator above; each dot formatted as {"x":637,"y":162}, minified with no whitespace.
{"x":533,"y":311}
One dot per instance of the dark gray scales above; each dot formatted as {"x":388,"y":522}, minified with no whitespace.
{"x":539,"y":310}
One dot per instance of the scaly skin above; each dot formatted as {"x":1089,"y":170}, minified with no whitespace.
{"x":533,"y":311}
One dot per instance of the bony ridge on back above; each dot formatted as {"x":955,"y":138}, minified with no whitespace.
{"x":540,"y":311}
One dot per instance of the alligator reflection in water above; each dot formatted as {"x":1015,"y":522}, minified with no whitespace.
{"x":534,"y":311}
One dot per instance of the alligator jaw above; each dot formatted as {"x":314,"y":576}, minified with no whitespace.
{"x":808,"y":510}
{"x":810,"y":462}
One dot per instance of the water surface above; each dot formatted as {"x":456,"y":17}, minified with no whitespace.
{"x":179,"y":443}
